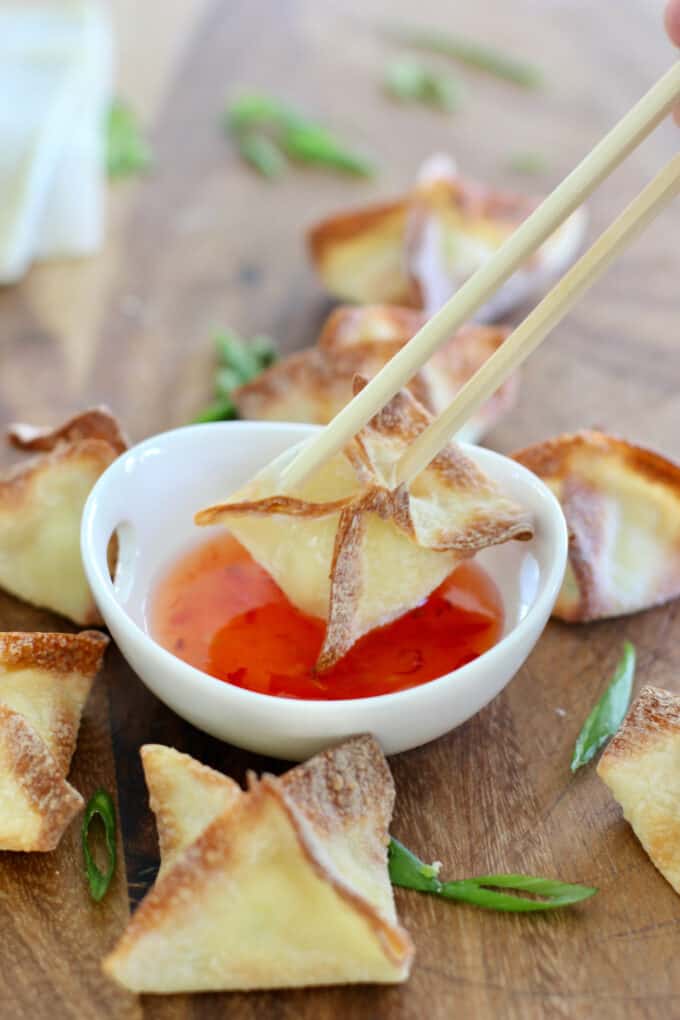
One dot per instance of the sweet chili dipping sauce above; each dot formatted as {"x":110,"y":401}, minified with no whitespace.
{"x":217,"y":609}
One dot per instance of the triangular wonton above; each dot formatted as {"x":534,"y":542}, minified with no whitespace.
{"x":622,"y":506}
{"x":641,"y":766}
{"x":314,"y":384}
{"x":419,"y":249}
{"x":349,"y":547}
{"x":45,"y":680}
{"x":288,"y":887}
{"x":41,"y":504}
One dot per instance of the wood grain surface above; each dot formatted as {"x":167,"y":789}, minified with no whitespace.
{"x":52,"y":935}
{"x":201,"y":243}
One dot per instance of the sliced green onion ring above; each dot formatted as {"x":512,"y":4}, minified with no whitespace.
{"x":100,"y":805}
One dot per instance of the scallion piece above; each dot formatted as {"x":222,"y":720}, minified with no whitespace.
{"x":262,"y":153}
{"x":609,"y":712}
{"x":127,"y":151}
{"x":267,"y":130}
{"x":100,"y":806}
{"x":471,"y":53}
{"x":409,"y":80}
{"x":238,"y":361}
{"x":486,"y":891}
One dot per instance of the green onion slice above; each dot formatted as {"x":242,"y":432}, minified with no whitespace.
{"x":609,"y":712}
{"x":101,"y":806}
{"x":409,"y":872}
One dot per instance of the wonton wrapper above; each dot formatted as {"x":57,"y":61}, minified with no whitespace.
{"x":420,"y":249}
{"x":185,"y":797}
{"x":622,"y":506}
{"x":41,"y":504}
{"x":641,"y":767}
{"x":349,"y":548}
{"x":288,"y":887}
{"x":45,"y":680}
{"x":314,"y":384}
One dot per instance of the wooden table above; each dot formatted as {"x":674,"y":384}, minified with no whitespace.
{"x":202,"y":243}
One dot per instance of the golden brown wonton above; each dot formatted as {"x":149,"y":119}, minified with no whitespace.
{"x":41,"y":504}
{"x":622,"y":506}
{"x":419,"y":249}
{"x":349,"y":547}
{"x":314,"y":384}
{"x":286,"y":887}
{"x":641,"y":766}
{"x":44,"y":683}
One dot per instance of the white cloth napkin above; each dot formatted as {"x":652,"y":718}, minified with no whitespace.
{"x":55,"y":90}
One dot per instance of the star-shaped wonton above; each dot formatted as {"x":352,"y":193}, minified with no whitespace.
{"x":314,"y":384}
{"x":350,"y":547}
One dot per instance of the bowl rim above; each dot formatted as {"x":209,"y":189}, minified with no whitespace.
{"x":103,"y":591}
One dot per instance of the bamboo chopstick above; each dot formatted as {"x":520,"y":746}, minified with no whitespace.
{"x":594,"y":168}
{"x":533,"y":330}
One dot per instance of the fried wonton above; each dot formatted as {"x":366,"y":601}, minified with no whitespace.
{"x":95,"y":423}
{"x":314,"y":384}
{"x":41,"y":504}
{"x":350,"y":547}
{"x":641,"y":767}
{"x":419,"y":249}
{"x":288,"y":887}
{"x":45,"y":680}
{"x":622,"y":506}
{"x":185,"y":797}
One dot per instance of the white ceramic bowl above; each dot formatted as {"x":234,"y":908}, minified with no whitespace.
{"x":149,"y":495}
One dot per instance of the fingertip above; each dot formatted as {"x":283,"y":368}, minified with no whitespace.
{"x":672,"y":19}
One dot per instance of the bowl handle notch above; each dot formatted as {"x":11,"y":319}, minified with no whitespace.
{"x":109,"y":543}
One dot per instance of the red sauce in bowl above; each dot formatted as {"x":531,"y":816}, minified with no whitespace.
{"x":217,"y":609}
